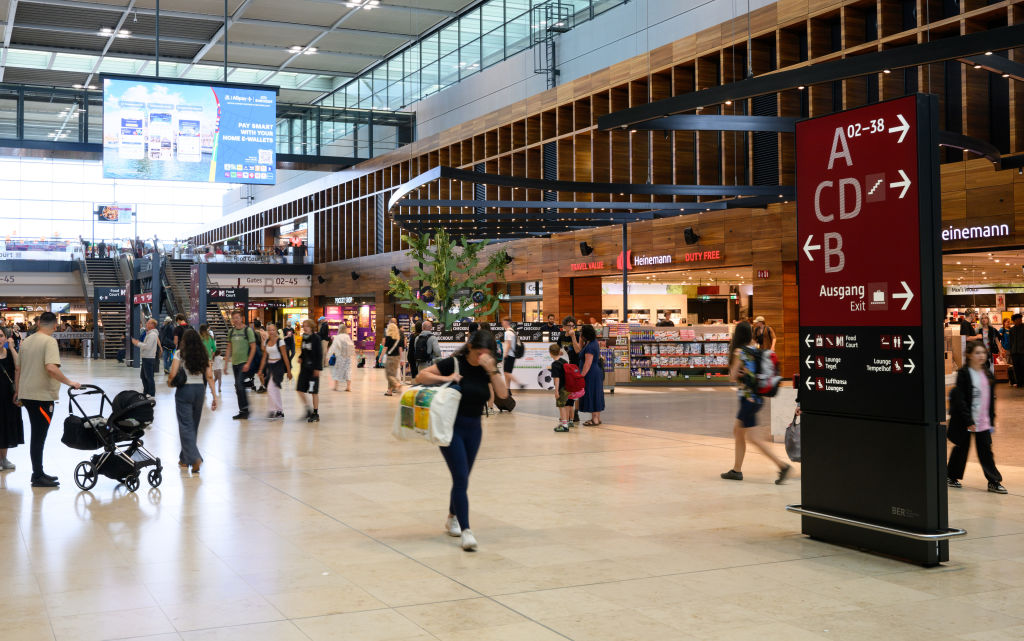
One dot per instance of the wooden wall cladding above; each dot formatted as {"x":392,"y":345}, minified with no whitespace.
{"x":792,"y":32}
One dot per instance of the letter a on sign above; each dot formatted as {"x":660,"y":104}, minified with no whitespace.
{"x":840,"y":141}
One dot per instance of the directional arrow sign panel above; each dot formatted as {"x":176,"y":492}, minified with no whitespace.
{"x":870,"y":324}
{"x":858,"y":228}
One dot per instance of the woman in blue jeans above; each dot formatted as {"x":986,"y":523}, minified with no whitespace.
{"x":188,"y":399}
{"x":474,"y":368}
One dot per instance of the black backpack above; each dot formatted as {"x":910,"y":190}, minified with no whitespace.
{"x":422,"y":356}
{"x":519,"y":350}
{"x":167,"y":336}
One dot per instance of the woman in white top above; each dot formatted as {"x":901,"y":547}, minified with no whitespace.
{"x":188,"y":399}
{"x":343,"y":350}
{"x":273,"y":368}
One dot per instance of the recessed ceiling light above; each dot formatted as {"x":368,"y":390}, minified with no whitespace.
{"x":886,"y":70}
{"x":977,"y":66}
{"x":124,"y":33}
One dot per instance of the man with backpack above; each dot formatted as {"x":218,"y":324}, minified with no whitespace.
{"x":240,"y":354}
{"x":512,"y":348}
{"x":167,"y":342}
{"x":427,"y":348}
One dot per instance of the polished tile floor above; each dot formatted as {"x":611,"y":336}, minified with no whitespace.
{"x":334,"y":531}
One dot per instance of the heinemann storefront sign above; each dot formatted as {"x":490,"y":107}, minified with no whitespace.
{"x":974,"y":232}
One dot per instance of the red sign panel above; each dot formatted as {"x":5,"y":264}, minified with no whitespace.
{"x":139,"y":299}
{"x":858,"y":226}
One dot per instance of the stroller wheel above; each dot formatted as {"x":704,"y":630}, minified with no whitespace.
{"x":131,"y":482}
{"x":155,"y":478}
{"x":85,"y":476}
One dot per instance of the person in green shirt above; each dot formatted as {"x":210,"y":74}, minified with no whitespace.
{"x":208,"y":340}
{"x":241,"y":351}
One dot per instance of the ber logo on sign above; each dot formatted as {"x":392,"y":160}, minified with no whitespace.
{"x":858,"y":224}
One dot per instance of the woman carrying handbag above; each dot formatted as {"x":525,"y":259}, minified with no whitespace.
{"x":12,"y":426}
{"x":972,"y":410}
{"x":474,"y":368}
{"x":273,"y":368}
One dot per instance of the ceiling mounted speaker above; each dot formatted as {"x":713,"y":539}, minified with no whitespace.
{"x":355,"y":276}
{"x":396,"y":271}
{"x":478,"y":297}
{"x":321,"y":280}
{"x":586,"y":249}
{"x":690,"y":236}
{"x":508,"y":259}
{"x":427,"y":295}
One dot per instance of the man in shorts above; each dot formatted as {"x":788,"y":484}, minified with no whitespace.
{"x":509,"y":343}
{"x":310,"y":364}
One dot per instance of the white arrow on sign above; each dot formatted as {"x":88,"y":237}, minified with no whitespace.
{"x":905,"y":183}
{"x":910,"y":365}
{"x":808,"y":340}
{"x":810,"y":383}
{"x":809,"y":361}
{"x":907,"y":296}
{"x":910,"y":339}
{"x":903,"y":128}
{"x":808,"y":247}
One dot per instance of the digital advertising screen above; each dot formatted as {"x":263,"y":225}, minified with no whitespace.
{"x":114,"y":213}
{"x":166,"y":130}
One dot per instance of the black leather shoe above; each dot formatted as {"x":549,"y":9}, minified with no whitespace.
{"x":44,"y":481}
{"x":241,"y":416}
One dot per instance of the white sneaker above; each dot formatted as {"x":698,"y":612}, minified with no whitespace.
{"x":5,"y":464}
{"x":452,"y":526}
{"x":468,"y":540}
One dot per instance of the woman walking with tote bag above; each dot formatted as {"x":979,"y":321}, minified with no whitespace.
{"x":475,"y":369}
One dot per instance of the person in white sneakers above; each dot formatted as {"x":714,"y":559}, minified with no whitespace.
{"x":475,"y":368}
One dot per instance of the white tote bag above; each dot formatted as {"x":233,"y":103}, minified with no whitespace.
{"x":427,"y":413}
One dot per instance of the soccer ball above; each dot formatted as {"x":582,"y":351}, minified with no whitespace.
{"x":544,"y":380}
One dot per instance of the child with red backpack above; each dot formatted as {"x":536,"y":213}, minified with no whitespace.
{"x":569,"y":386}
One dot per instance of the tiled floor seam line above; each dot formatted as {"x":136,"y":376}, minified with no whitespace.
{"x":416,"y":561}
{"x":484,"y":458}
{"x":662,"y":576}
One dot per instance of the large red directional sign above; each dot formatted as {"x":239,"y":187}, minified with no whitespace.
{"x":858,"y":217}
{"x":864,"y":219}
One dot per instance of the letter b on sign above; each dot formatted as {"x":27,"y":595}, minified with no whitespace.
{"x":835,"y":260}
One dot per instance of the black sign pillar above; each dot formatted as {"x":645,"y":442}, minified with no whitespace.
{"x":871,"y":385}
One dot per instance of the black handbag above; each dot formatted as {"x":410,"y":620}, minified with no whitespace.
{"x":507,"y":404}
{"x":181,"y":377}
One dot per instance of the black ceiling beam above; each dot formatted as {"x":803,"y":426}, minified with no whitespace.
{"x":628,"y":189}
{"x":997,"y":64}
{"x":560,"y":204}
{"x":973,"y":145}
{"x":850,"y":67}
{"x":697,"y":122}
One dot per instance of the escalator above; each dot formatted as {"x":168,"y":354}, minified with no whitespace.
{"x":104,"y":272}
{"x":177,"y":279}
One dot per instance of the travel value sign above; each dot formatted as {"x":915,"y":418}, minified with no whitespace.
{"x":866,"y":233}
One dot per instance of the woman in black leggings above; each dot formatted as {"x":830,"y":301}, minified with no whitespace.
{"x":475,"y":369}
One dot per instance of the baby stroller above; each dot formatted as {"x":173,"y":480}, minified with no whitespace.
{"x":119,"y":436}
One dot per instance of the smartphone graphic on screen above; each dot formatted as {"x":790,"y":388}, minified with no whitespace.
{"x":190,"y":148}
{"x":131,"y":139}
{"x":160,"y":135}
